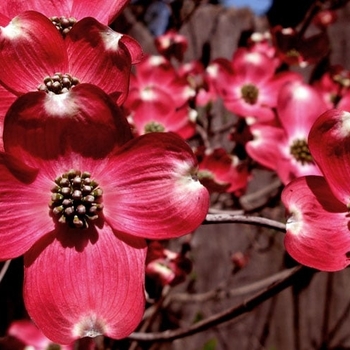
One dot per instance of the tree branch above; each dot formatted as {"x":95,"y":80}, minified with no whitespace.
{"x":220,"y":293}
{"x":226,"y":315}
{"x":244,"y":219}
{"x":4,"y":269}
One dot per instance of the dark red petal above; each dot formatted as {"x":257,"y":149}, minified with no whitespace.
{"x":151,"y":190}
{"x":85,"y":283}
{"x":84,"y":120}
{"x":329,"y":141}
{"x":317,"y":226}
{"x":31,"y":49}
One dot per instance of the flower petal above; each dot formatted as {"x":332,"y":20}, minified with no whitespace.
{"x":317,"y":226}
{"x":99,"y":56}
{"x":31,"y":49}
{"x":85,"y":283}
{"x":84,"y":120}
{"x":254,"y":66}
{"x":150,"y":188}
{"x":332,"y":154}
{"x":265,"y":146}
{"x":24,"y":199}
{"x":298,"y":106}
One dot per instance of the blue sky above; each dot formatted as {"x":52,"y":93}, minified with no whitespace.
{"x":258,"y":6}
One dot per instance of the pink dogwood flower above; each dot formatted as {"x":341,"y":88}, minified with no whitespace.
{"x":166,"y":266}
{"x":81,"y":223}
{"x":249,"y":85}
{"x":171,"y":45}
{"x":222,"y":172}
{"x":283,"y":147}
{"x":23,"y":334}
{"x":158,"y":99}
{"x":318,"y":206}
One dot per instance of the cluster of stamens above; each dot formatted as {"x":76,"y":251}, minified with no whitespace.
{"x":154,"y":127}
{"x":293,"y":53}
{"x":63,"y":24}
{"x":76,"y":199}
{"x":250,"y":93}
{"x":300,"y":151}
{"x":59,"y":83}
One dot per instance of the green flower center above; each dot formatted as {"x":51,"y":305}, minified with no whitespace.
{"x":300,"y":151}
{"x":76,"y":199}
{"x":250,"y":93}
{"x":63,"y":24}
{"x":154,"y":127}
{"x":59,"y":83}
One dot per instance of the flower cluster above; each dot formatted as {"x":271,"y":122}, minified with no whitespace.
{"x":80,"y":194}
{"x":106,"y":150}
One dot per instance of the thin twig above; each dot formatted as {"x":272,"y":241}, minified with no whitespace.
{"x":244,"y":219}
{"x":220,"y":293}
{"x":224,"y":316}
{"x":4,"y":269}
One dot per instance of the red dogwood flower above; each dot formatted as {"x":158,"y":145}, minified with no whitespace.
{"x":318,"y":207}
{"x":33,"y":51}
{"x":81,"y":223}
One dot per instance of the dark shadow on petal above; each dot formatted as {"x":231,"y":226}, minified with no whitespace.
{"x":319,"y":187}
{"x":133,"y":241}
{"x":76,"y":238}
{"x":19,"y":170}
{"x":38,"y":247}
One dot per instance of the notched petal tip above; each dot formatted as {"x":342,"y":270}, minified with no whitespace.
{"x":89,"y":326}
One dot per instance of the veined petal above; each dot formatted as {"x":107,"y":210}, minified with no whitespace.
{"x":31,"y":49}
{"x":151,"y":190}
{"x":329,"y":145}
{"x":317,"y":226}
{"x":85,"y":283}
{"x":98,"y":55}
{"x":84,"y":120}
{"x":24,"y":199}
